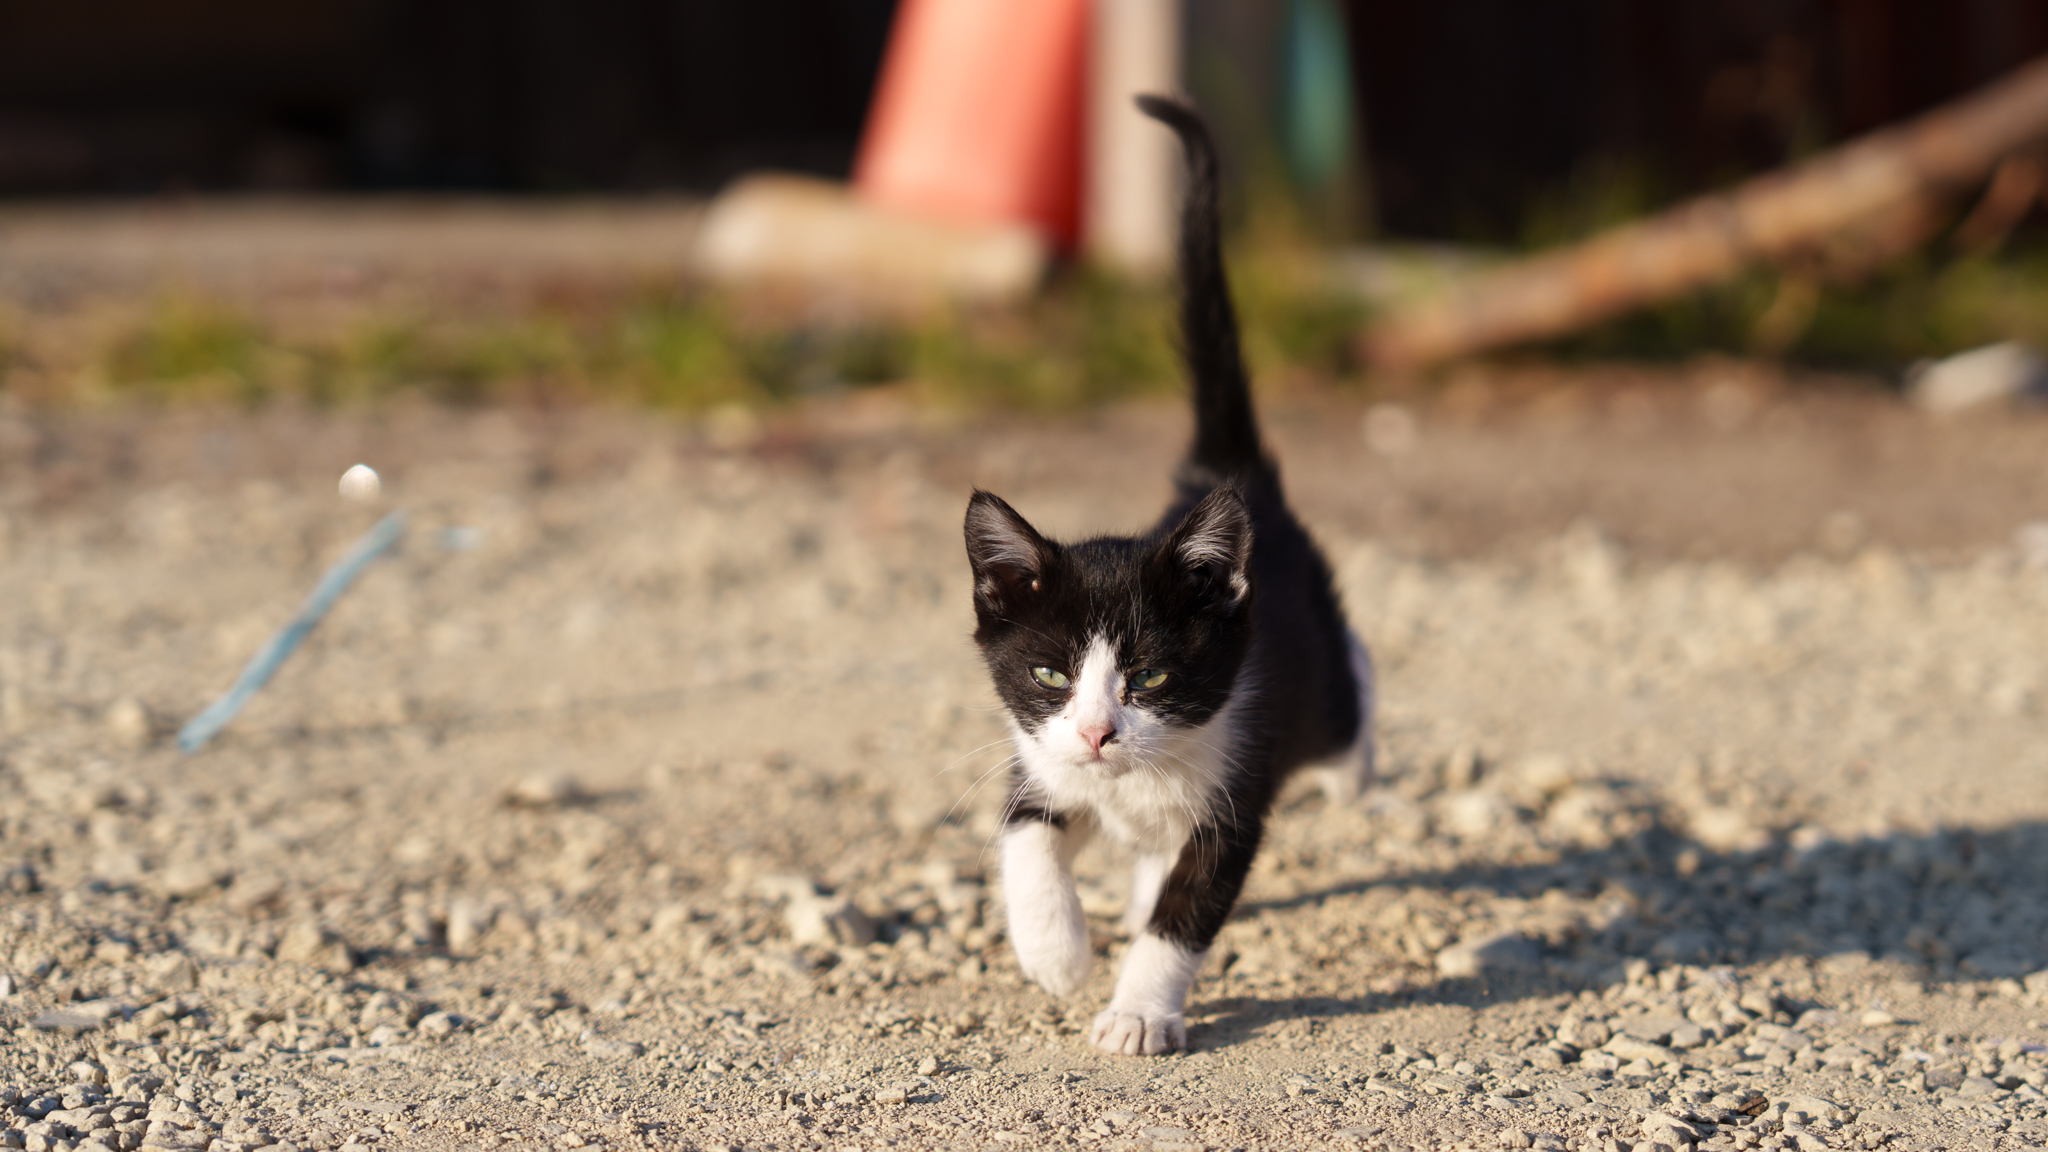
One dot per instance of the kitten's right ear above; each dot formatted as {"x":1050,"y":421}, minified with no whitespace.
{"x":1008,"y":555}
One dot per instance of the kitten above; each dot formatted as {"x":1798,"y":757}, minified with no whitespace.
{"x":1161,"y":687}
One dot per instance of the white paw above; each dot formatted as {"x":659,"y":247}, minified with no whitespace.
{"x":1132,"y":1034}
{"x":1060,"y":965}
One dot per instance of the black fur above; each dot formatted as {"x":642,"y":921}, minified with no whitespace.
{"x":1226,"y":435}
{"x":1256,"y":614}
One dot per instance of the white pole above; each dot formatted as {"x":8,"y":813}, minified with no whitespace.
{"x":1132,"y":168}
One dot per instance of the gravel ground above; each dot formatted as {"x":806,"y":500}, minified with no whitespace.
{"x":637,"y":800}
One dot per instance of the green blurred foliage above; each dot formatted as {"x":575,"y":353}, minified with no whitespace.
{"x":1087,"y":339}
{"x":191,"y":347}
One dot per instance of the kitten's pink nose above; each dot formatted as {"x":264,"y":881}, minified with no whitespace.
{"x":1097,"y":736}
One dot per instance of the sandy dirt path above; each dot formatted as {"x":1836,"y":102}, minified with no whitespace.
{"x":635,"y":800}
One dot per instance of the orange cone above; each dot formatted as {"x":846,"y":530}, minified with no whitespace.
{"x":978,"y":114}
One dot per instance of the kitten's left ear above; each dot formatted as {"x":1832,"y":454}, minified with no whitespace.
{"x":1008,"y":555}
{"x":1215,"y":539}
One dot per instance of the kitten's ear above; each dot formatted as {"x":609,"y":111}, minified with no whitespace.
{"x":1008,"y":555}
{"x":1214,"y":540}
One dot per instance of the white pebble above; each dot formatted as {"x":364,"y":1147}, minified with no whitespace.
{"x":360,"y":482}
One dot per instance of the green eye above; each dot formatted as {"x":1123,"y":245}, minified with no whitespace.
{"x":1147,"y":678}
{"x":1050,"y":677}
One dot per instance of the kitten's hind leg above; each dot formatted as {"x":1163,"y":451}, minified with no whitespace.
{"x":1047,"y":927}
{"x":1347,"y":777}
{"x":1148,"y":876}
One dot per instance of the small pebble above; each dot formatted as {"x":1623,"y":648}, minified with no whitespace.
{"x":361,"y":483}
{"x":544,"y":790}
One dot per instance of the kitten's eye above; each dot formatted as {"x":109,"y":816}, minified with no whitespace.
{"x":1147,"y":678}
{"x":1050,"y":677}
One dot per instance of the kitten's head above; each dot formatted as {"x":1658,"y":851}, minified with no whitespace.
{"x":1104,"y":651}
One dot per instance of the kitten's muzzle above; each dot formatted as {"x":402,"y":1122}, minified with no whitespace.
{"x":1098,"y":736}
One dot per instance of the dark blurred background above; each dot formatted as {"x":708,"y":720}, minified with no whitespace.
{"x":1477,"y":116}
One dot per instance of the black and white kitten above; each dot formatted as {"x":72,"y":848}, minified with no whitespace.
{"x":1161,"y":687}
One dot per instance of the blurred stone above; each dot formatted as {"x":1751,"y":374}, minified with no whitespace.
{"x":1995,"y":373}
{"x":440,"y":1024}
{"x":1475,"y":813}
{"x":308,"y":943}
{"x":128,"y":722}
{"x":468,"y":920}
{"x":1628,"y":1048}
{"x":253,"y":889}
{"x":1727,"y":830}
{"x":59,"y":1020}
{"x":1664,"y":1128}
{"x":1544,"y":774}
{"x":1758,"y":1002}
{"x":1584,"y":815}
{"x":1808,"y":1109}
{"x":825,"y":920}
{"x":1584,"y":1033}
{"x":543,"y":790}
{"x":1655,"y":1029}
{"x":816,"y":918}
{"x":1490,"y":956}
{"x":174,"y":972}
{"x":188,"y":879}
{"x":117,"y":866}
{"x":810,"y":235}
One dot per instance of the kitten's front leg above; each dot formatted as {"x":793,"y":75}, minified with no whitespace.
{"x":1146,"y":1016}
{"x":1047,"y":927}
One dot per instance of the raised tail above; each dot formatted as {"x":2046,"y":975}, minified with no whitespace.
{"x":1226,"y":432}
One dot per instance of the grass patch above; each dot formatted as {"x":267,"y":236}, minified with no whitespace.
{"x":1088,"y":339}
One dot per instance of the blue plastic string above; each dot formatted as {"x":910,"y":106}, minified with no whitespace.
{"x":264,"y":664}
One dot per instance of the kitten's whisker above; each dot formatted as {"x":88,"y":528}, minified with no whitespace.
{"x":1003,"y":822}
{"x":970,"y":752}
{"x":978,"y":783}
{"x":1220,"y":788}
{"x":1177,"y":795}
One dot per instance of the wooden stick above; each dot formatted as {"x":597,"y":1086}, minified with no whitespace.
{"x":1712,"y":238}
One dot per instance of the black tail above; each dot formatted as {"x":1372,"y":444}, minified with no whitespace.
{"x":1226,"y":433}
